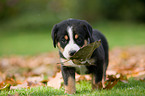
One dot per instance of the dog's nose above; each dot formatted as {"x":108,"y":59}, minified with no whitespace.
{"x":72,"y":52}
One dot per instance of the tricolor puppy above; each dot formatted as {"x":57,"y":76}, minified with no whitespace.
{"x":69,"y":36}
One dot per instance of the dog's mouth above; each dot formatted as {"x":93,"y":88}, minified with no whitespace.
{"x":72,"y":52}
{"x":83,"y":55}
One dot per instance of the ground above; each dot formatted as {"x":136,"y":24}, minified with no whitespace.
{"x":29,"y":63}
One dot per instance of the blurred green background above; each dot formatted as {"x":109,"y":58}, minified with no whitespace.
{"x":25,"y":25}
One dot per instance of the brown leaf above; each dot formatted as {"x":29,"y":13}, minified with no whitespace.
{"x":2,"y":84}
{"x":113,"y":79}
{"x":6,"y":87}
{"x":19,"y":86}
{"x":84,"y":54}
{"x":82,"y":77}
{"x":10,"y":81}
{"x":35,"y":79}
{"x":128,"y":61}
{"x":34,"y":84}
{"x":27,"y":85}
{"x":56,"y":81}
{"x":111,"y":84}
{"x":140,"y":76}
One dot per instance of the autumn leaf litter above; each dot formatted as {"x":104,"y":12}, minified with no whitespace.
{"x":29,"y":71}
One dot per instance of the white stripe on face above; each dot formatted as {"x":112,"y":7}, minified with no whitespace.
{"x":71,"y":46}
{"x":70,"y":34}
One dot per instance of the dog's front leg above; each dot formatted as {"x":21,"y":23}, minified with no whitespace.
{"x":68,"y":74}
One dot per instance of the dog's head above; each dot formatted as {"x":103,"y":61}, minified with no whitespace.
{"x":70,"y":35}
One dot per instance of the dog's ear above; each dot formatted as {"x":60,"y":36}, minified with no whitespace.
{"x":53,"y":35}
{"x":89,"y":30}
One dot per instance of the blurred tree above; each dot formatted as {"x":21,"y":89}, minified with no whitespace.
{"x":8,"y":8}
{"x":91,"y":10}
{"x":129,"y":10}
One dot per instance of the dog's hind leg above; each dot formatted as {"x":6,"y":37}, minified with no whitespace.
{"x":104,"y":75}
{"x":97,"y":76}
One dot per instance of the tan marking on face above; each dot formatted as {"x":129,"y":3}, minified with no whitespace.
{"x":85,"y":43}
{"x":60,"y":48}
{"x":66,"y":37}
{"x":70,"y":88}
{"x":76,"y":36}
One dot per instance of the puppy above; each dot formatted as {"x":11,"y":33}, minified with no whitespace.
{"x":69,"y":36}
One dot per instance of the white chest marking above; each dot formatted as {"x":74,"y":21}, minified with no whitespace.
{"x":81,"y":69}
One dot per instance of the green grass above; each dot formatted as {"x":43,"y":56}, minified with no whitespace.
{"x":123,"y":33}
{"x":132,"y":88}
{"x":23,"y":43}
{"x":33,"y":41}
{"x":30,"y":33}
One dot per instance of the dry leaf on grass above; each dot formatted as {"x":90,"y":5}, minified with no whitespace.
{"x":10,"y":81}
{"x":6,"y":87}
{"x":112,"y":80}
{"x":30,"y":82}
{"x":82,"y":77}
{"x":128,"y":61}
{"x":19,"y":86}
{"x":56,"y":81}
{"x":111,"y":84}
{"x":16,"y":70}
{"x":27,"y":85}
{"x":35,"y":79}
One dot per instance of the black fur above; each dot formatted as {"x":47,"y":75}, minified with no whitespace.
{"x":100,"y":55}
{"x":60,"y":28}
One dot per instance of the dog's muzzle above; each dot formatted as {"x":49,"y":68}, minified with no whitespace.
{"x":72,"y":52}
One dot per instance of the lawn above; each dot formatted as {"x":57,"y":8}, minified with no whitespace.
{"x":132,"y":88}
{"x":26,"y":37}
{"x":31,"y":41}
{"x":25,"y":43}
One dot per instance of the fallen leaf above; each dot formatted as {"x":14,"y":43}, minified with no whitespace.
{"x":56,"y":81}
{"x":112,"y":80}
{"x":111,"y":84}
{"x":6,"y":87}
{"x":128,"y":61}
{"x":82,"y":56}
{"x":19,"y":86}
{"x":16,"y":70}
{"x":82,"y":77}
{"x":35,"y":79}
{"x":27,"y":85}
{"x":2,"y":84}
